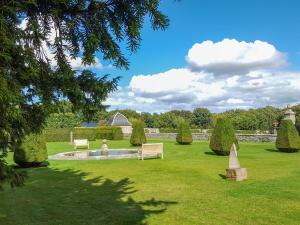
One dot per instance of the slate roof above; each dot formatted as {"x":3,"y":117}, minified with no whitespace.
{"x":90,"y":125}
{"x":118,"y":120}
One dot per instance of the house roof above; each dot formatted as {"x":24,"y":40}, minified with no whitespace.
{"x":118,"y":120}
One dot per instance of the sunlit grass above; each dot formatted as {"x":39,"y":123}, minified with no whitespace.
{"x":184,"y":188}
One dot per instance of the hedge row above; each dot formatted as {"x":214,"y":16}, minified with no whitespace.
{"x":195,"y":131}
{"x":63,"y":134}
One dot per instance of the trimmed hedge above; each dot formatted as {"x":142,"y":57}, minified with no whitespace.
{"x":287,"y":137}
{"x":63,"y":134}
{"x":57,"y":134}
{"x":32,"y":152}
{"x":110,"y":133}
{"x":184,"y":135}
{"x":222,"y":138}
{"x":85,"y":133}
{"x":138,"y":136}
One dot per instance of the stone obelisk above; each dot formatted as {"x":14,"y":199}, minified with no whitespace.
{"x":235,"y":172}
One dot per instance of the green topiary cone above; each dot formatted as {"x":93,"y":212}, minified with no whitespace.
{"x":32,"y":152}
{"x":184,"y":135}
{"x":287,"y":137}
{"x":138,"y":136}
{"x":222,"y":138}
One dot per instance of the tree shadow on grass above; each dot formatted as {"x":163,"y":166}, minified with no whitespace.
{"x":272,"y":150}
{"x":211,"y":153}
{"x":222,"y":176}
{"x":69,"y":198}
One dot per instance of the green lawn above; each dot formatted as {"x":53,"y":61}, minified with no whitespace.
{"x":185,"y":188}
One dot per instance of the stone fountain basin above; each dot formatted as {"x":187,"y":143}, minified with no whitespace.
{"x":96,"y":155}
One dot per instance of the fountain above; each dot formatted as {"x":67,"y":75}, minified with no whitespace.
{"x":97,"y":154}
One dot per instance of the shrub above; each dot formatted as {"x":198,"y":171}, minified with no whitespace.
{"x":222,"y":138}
{"x":138,"y":136}
{"x":287,"y":137}
{"x":184,"y":135}
{"x":32,"y":152}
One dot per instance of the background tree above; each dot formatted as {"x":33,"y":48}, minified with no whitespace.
{"x":148,"y":118}
{"x":63,"y":120}
{"x":185,"y":114}
{"x":166,"y":120}
{"x":201,"y":118}
{"x":31,"y":82}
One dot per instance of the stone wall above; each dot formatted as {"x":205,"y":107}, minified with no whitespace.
{"x":202,"y":136}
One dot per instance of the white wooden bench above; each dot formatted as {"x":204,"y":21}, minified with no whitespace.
{"x":151,"y":150}
{"x":81,"y":143}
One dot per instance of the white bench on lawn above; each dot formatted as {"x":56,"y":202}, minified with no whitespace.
{"x":151,"y":150}
{"x":81,"y":143}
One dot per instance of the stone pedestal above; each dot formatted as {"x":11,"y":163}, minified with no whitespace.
{"x":104,"y":148}
{"x":236,"y":174}
{"x":289,"y":114}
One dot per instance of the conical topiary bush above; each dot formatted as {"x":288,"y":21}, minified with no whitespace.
{"x":32,"y":152}
{"x":138,"y":136}
{"x":184,"y":135}
{"x":287,"y":137}
{"x":222,"y":138}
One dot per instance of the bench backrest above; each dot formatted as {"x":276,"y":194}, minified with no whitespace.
{"x":157,"y":147}
{"x":81,"y":141}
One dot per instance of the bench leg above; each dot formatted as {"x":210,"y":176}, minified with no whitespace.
{"x":162,"y":155}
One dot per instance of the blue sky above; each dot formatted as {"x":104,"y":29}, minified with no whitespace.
{"x":275,"y":23}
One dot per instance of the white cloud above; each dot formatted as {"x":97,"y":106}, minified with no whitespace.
{"x":235,"y":101}
{"x":230,"y":56}
{"x":225,"y":75}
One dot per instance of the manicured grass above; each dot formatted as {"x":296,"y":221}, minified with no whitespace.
{"x":185,"y":188}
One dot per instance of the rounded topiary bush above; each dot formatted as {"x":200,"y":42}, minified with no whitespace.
{"x":287,"y":137}
{"x":31,"y":152}
{"x":138,"y":136}
{"x":222,"y":138}
{"x":184,"y":135}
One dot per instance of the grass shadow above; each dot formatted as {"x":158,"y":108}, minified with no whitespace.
{"x":222,"y":176}
{"x":69,"y":197}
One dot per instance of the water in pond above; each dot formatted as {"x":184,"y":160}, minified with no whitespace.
{"x":96,"y":155}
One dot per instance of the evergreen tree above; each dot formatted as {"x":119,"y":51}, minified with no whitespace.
{"x":32,"y":80}
{"x":138,"y":136}
{"x":287,"y":137}
{"x":222,"y":138}
{"x":184,"y":135}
